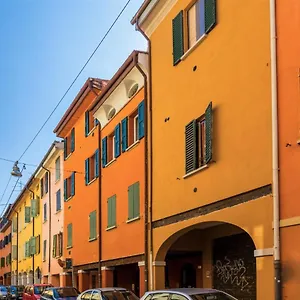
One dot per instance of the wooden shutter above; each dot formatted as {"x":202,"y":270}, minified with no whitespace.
{"x":208,"y":133}
{"x":210,"y":15}
{"x":96,"y":161}
{"x":15,"y":224}
{"x":34,"y":211}
{"x":117,"y":141}
{"x":54,"y":246}
{"x":70,"y":237}
{"x":38,"y":244}
{"x":124,"y":142}
{"x":190,"y":147}
{"x":87,"y":171}
{"x":93,"y":225}
{"x":60,"y":244}
{"x":104,"y":152}
{"x":32,"y":245}
{"x":141,"y":120}
{"x":45,"y":211}
{"x":87,"y":125}
{"x":136,"y":200}
{"x":73,"y":140}
{"x":65,"y":148}
{"x":58,"y":200}
{"x":65,"y":189}
{"x":130,"y":202}
{"x":46,"y":182}
{"x":73,"y":184}
{"x":44,"y":250}
{"x":42,"y":187}
{"x":57,"y":169}
{"x":111,"y":204}
{"x":14,"y":252}
{"x":178,"y":48}
{"x":27,"y":214}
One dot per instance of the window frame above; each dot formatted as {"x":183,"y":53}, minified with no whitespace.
{"x":57,"y":169}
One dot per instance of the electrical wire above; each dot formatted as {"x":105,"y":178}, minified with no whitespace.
{"x":75,"y":79}
{"x":10,"y":177}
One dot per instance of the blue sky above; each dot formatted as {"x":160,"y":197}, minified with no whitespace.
{"x":43,"y":46}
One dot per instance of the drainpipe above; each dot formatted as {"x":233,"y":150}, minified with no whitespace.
{"x":275,"y":167}
{"x":99,"y":209}
{"x":148,"y":179}
{"x":50,"y":238}
{"x":17,"y":266}
{"x":32,"y":235}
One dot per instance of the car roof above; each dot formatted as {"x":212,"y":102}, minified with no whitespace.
{"x":185,"y":291}
{"x":107,"y":289}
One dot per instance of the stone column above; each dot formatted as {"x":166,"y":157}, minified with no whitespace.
{"x":141,"y":265}
{"x":107,"y":276}
{"x":159,"y":275}
{"x":83,"y":280}
{"x":65,"y":279}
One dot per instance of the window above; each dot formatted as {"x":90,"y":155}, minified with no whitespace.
{"x":86,"y":296}
{"x":57,"y":169}
{"x":57,"y":245}
{"x":134,"y":201}
{"x":60,"y":244}
{"x":14,"y":252}
{"x":136,"y":125}
{"x":160,"y":296}
{"x":44,"y":183}
{"x":27,"y":215}
{"x":58,"y":200}
{"x":92,"y":167}
{"x":69,"y":187}
{"x":69,"y":144}
{"x":200,"y":19}
{"x":44,"y":250}
{"x":178,"y":297}
{"x":111,"y":211}
{"x":42,"y":187}
{"x":34,"y":209}
{"x":45,"y":212}
{"x":198,"y":141}
{"x":93,"y":225}
{"x":90,"y":122}
{"x":54,"y":245}
{"x":69,"y":236}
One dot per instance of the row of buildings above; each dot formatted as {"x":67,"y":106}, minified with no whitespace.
{"x":180,"y":170}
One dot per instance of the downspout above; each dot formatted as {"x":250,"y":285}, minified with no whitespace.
{"x":17,"y":266}
{"x":32,"y":235}
{"x":275,"y":167}
{"x":146,"y":172}
{"x":50,"y":237}
{"x":99,"y":209}
{"x":148,"y":150}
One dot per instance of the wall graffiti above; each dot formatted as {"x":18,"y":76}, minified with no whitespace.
{"x":232,"y":271}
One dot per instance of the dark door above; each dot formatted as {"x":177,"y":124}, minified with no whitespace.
{"x":188,"y":276}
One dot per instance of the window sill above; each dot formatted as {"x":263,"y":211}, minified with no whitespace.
{"x":133,"y":145}
{"x":110,"y":228}
{"x":45,"y":221}
{"x":57,"y":180}
{"x":91,"y":131}
{"x":187,"y":53}
{"x":89,"y":183}
{"x":93,"y":239}
{"x":68,"y":199}
{"x":58,"y":211}
{"x":69,"y":247}
{"x":195,"y":171}
{"x":110,"y":163}
{"x":68,"y":155}
{"x":132,"y":220}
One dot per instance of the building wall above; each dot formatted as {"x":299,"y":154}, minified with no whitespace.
{"x":288,"y":25}
{"x":85,"y":200}
{"x":128,"y":169}
{"x":4,"y":252}
{"x":233,"y":73}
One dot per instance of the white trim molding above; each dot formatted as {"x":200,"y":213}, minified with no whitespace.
{"x":159,"y":263}
{"x":263,"y":252}
{"x":81,"y":272}
{"x":107,"y":268}
{"x":141,"y":263}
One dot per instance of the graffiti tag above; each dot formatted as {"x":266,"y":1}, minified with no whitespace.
{"x":232,"y":272}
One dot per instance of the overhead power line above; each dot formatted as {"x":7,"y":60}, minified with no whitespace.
{"x":75,"y":79}
{"x":5,"y":188}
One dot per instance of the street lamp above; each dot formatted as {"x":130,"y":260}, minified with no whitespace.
{"x":16,"y":170}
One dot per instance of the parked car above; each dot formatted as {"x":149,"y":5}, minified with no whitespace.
{"x":107,"y":294}
{"x":187,"y":294}
{"x":34,"y":291}
{"x":55,"y":293}
{"x":3,"y":292}
{"x":15,"y":292}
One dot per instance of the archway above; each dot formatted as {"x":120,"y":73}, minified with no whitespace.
{"x":211,"y":255}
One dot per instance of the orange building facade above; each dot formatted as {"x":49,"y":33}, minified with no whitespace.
{"x":81,"y":189}
{"x":120,"y":110}
{"x":5,"y":249}
{"x":288,"y":64}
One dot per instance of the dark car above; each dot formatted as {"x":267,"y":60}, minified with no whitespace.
{"x":107,"y":294}
{"x":187,"y":294}
{"x":34,"y":291}
{"x":15,"y":292}
{"x":3,"y":292}
{"x":56,"y":293}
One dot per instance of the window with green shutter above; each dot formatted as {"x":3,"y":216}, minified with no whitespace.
{"x":32,"y":246}
{"x":134,"y":201}
{"x":198,"y":141}
{"x":44,"y":250}
{"x":34,"y":207}
{"x":124,"y":129}
{"x":69,"y":235}
{"x":14,"y":250}
{"x":111,"y":211}
{"x":14,"y":224}
{"x":54,"y":246}
{"x":27,"y":212}
{"x":72,"y":140}
{"x":93,"y":225}
{"x":178,"y":42}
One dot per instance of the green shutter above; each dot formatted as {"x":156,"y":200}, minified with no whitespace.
{"x":136,"y":200}
{"x":32,"y":242}
{"x":46,"y":182}
{"x":54,"y":246}
{"x":14,"y":252}
{"x":65,"y":148}
{"x":178,"y":48}
{"x":93,"y":225}
{"x":111,"y":211}
{"x":124,"y":129}
{"x":44,"y":250}
{"x":27,"y":214}
{"x":87,"y":171}
{"x":210,"y":15}
{"x":34,"y":207}
{"x":208,"y":133}
{"x":117,"y":141}
{"x":73,"y":140}
{"x":190,"y":147}
{"x":141,"y":120}
{"x":65,"y":189}
{"x":42,"y":187}
{"x":70,"y":235}
{"x":38,"y":244}
{"x":104,"y":152}
{"x":27,"y":249}
{"x":96,"y":163}
{"x":130,"y":202}
{"x":87,"y":125}
{"x":15,"y":224}
{"x":73,"y":184}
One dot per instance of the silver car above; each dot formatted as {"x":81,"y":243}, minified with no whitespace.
{"x":187,"y":294}
{"x":107,"y":294}
{"x":3,"y":292}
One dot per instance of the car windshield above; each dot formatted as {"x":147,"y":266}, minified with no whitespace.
{"x":119,"y":295}
{"x":65,"y":292}
{"x":3,"y":289}
{"x":211,"y":296}
{"x":39,"y":289}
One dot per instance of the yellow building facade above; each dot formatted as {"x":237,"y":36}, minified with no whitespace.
{"x":210,"y":190}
